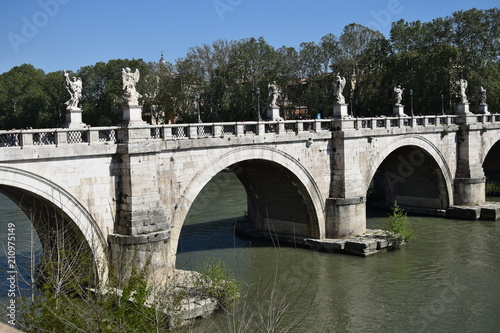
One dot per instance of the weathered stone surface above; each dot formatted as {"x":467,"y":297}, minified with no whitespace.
{"x":360,"y":246}
{"x":308,"y":179}
{"x":328,"y":245}
{"x":490,"y":212}
{"x":463,"y":212}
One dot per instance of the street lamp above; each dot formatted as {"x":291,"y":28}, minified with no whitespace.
{"x":198,"y":104}
{"x":411,"y":101}
{"x":442,"y":104}
{"x":351,"y":97}
{"x":257,"y":92}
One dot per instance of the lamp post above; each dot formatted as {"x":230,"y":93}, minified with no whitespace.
{"x":442,"y":104}
{"x":257,"y":92}
{"x":411,"y":101}
{"x":351,"y":97}
{"x":198,"y":104}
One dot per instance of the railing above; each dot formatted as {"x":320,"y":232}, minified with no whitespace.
{"x":109,"y":135}
{"x":425,"y":121}
{"x":206,"y":130}
{"x":55,"y":137}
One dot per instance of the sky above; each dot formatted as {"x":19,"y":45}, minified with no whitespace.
{"x":68,"y":34}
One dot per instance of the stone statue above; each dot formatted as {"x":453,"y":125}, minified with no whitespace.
{"x":338,"y":87}
{"x":463,"y":86}
{"x":398,"y":95}
{"x":274,"y":94}
{"x":74,"y":88}
{"x":482,"y":92}
{"x":130,"y":80}
{"x":353,"y":81}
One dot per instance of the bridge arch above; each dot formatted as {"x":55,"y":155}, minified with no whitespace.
{"x":256,"y":166}
{"x":31,"y":192}
{"x":413,"y":157}
{"x":490,"y":160}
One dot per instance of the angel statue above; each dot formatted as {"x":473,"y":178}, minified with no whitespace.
{"x":463,"y":86}
{"x":398,"y":94}
{"x":274,"y":94}
{"x":74,"y":88}
{"x":130,"y":79}
{"x":482,"y":94}
{"x":338,"y":87}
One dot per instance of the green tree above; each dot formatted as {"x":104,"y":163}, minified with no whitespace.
{"x":317,"y":94}
{"x":58,"y":95}
{"x":398,"y":226}
{"x":204,"y":73}
{"x":102,"y":98}
{"x":434,"y":55}
{"x":254,"y":64}
{"x":23,"y":99}
{"x":355,"y":41}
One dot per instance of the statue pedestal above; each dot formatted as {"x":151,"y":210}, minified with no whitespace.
{"x":483,"y":109}
{"x":74,"y":118}
{"x":340,"y":111}
{"x":398,"y":111}
{"x":273,"y":113}
{"x":132,"y":115}
{"x":463,"y":109}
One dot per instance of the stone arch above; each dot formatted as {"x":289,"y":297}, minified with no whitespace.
{"x":255,"y":157}
{"x":425,"y":147}
{"x":489,"y":139}
{"x":490,"y":160}
{"x":27,"y":190}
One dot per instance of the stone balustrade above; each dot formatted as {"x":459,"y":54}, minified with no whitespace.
{"x":109,"y":135}
{"x":58,"y":136}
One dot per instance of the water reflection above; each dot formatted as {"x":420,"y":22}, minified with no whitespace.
{"x":445,"y":280}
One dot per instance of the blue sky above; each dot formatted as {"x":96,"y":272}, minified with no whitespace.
{"x":68,"y":34}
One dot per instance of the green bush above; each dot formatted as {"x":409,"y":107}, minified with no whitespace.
{"x":491,"y":189}
{"x":218,"y":281}
{"x":398,"y":226}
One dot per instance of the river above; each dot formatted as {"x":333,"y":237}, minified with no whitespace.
{"x":447,"y":280}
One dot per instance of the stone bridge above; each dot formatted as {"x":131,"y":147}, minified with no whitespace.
{"x":125,"y":191}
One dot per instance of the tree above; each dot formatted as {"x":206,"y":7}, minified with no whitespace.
{"x":355,"y":41}
{"x":102,"y":99}
{"x":398,"y":226}
{"x":23,"y":99}
{"x":57,"y":94}
{"x":254,"y":64}
{"x":317,"y":94}
{"x":435,"y":55}
{"x":160,"y":93}
{"x":204,"y":72}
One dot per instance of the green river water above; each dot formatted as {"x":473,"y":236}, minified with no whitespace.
{"x":447,"y":280}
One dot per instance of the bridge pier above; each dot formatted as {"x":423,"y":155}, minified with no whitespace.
{"x":470,"y":191}
{"x":345,"y":217}
{"x":141,"y":231}
{"x":470,"y":181}
{"x":346,"y":206}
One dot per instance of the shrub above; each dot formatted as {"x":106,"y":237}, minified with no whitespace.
{"x":218,"y":281}
{"x":398,"y":226}
{"x":491,"y":189}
